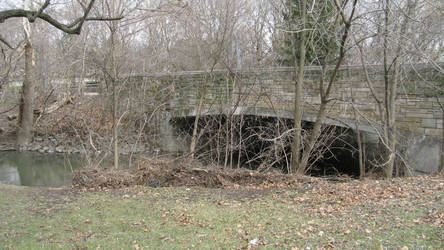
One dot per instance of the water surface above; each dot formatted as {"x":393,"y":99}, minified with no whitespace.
{"x":36,"y":169}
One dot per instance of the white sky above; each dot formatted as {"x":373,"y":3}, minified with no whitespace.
{"x":7,"y":4}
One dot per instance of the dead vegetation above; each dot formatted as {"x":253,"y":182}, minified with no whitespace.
{"x":81,"y":117}
{"x":164,"y":173}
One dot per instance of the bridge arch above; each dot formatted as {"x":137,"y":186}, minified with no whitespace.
{"x":338,"y":157}
{"x":270,"y":93}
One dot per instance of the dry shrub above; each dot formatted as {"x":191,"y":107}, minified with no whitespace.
{"x":102,"y":178}
{"x":164,"y":173}
{"x":86,"y":115}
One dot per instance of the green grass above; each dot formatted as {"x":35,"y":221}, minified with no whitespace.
{"x":181,"y":218}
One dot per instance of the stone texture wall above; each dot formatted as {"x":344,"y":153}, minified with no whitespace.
{"x":417,"y":110}
{"x":273,"y":90}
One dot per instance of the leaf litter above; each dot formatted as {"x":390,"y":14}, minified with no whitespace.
{"x":358,"y":207}
{"x":165,"y":173}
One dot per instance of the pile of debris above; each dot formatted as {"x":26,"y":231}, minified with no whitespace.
{"x":168,"y":173}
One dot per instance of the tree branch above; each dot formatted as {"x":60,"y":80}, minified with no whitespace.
{"x":2,"y":40}
{"x":72,"y":28}
{"x":40,"y":11}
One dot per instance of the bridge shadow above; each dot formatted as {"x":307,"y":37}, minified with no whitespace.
{"x":264,"y":143}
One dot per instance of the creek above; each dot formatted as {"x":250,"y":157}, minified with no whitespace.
{"x":37,"y":169}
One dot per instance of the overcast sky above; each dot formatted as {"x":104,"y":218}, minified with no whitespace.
{"x":7,"y":4}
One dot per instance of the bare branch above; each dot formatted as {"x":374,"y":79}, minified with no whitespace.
{"x":73,"y":28}
{"x":3,"y":40}
{"x":40,"y":11}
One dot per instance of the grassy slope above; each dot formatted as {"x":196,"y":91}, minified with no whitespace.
{"x":357,"y":214}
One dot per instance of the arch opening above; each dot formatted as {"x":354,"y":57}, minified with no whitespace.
{"x":264,"y":143}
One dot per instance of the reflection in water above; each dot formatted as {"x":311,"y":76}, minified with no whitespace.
{"x":35,"y":169}
{"x":9,"y":175}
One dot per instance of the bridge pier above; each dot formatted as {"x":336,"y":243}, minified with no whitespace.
{"x":423,"y":153}
{"x":420,"y":153}
{"x":170,"y":140}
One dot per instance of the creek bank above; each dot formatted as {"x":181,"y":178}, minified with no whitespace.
{"x":62,"y":143}
{"x":69,"y":127}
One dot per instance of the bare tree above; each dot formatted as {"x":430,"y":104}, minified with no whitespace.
{"x":26,"y":114}
{"x":73,"y":27}
{"x":296,"y":167}
{"x":213,"y":24}
{"x":341,"y":23}
{"x":397,"y":34}
{"x":113,"y":57}
{"x":24,"y":135}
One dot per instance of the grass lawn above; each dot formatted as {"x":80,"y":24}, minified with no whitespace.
{"x":354,"y":214}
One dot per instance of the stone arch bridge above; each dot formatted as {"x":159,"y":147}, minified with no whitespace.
{"x":270,"y":92}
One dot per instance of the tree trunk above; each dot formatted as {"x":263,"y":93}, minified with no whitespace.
{"x":391,"y":126}
{"x":358,"y":139}
{"x":227,"y":140}
{"x":441,"y":167}
{"x":361,"y":160}
{"x":302,"y":168}
{"x":386,"y":167}
{"x":228,"y":125}
{"x":240,"y":141}
{"x":26,"y":115}
{"x":115,"y":128}
{"x":313,"y":138}
{"x":114,"y":81}
{"x":298,"y":106}
{"x":391,"y":85}
{"x":196,"y":119}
